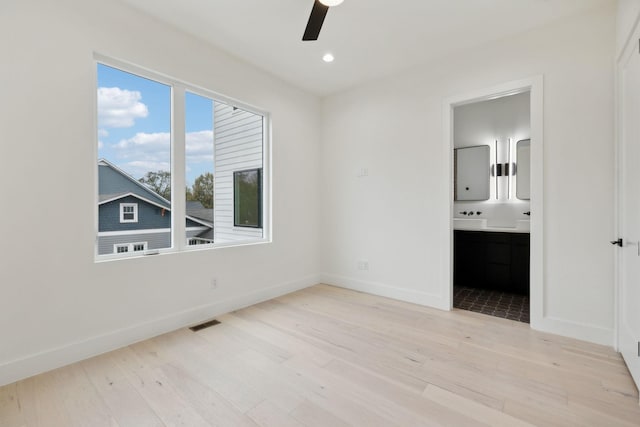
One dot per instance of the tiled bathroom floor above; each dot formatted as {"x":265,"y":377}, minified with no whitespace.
{"x":493,"y":303}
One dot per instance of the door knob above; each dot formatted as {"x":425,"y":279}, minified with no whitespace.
{"x":617,"y":242}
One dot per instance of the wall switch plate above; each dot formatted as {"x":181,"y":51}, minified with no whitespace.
{"x":363,"y":265}
{"x":362,"y":173}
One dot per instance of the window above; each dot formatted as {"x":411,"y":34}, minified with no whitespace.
{"x":199,"y":168}
{"x":222,"y":177}
{"x":120,"y":249}
{"x":123,"y":248}
{"x":199,"y":241}
{"x":137,"y":247}
{"x":247,"y":194}
{"x":128,"y":212}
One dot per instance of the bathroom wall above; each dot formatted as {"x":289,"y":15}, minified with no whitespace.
{"x":494,"y":122}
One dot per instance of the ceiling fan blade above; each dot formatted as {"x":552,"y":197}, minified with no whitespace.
{"x":316,"y":19}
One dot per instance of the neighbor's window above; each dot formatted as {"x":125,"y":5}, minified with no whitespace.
{"x":137,"y":247}
{"x":223,"y":148}
{"x":128,"y":212}
{"x":247,"y":193}
{"x":122,"y":248}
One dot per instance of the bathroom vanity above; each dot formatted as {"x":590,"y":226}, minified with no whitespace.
{"x":492,"y":260}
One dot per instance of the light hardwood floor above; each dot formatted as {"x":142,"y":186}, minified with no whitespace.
{"x":326,"y":356}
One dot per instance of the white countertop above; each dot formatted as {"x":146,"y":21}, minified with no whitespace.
{"x":482,"y":224}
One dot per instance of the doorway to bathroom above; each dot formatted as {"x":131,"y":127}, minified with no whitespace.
{"x":495,"y":181}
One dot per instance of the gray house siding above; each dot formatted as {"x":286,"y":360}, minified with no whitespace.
{"x":111,"y":181}
{"x":149,"y":216}
{"x":153,"y":240}
{"x":153,"y":226}
{"x":191,"y":223}
{"x":160,"y":240}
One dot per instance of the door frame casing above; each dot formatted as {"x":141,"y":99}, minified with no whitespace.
{"x":630,"y":48}
{"x":533,"y":85}
{"x":623,"y":55}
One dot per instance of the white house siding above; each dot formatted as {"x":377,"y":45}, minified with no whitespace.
{"x":238,"y":146}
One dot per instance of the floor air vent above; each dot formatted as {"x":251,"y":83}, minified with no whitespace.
{"x":204,"y":325}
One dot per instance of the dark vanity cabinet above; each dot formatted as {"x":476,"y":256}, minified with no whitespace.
{"x":491,"y":260}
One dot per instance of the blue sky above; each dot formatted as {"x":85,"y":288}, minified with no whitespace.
{"x":134,"y":125}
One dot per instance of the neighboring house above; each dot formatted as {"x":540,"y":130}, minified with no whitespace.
{"x":198,"y":212}
{"x":134,"y":218}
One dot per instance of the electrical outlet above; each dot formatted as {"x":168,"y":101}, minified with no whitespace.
{"x":214,"y":284}
{"x":363,"y":265}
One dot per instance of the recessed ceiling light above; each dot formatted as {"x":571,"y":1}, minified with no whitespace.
{"x":331,"y":2}
{"x":328,"y":57}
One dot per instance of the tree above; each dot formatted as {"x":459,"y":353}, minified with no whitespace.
{"x":202,"y":190}
{"x":159,"y":181}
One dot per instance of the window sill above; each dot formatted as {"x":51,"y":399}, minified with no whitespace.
{"x":151,"y":253}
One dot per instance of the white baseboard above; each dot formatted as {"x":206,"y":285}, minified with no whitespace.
{"x":585,"y":332}
{"x":384,"y":290}
{"x":73,"y":352}
{"x":581,"y":331}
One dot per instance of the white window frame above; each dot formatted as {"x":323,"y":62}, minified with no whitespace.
{"x":178,"y":155}
{"x":122,"y":212}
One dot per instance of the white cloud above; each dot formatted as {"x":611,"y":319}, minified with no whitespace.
{"x":144,"y":152}
{"x":119,"y":108}
{"x":152,"y":151}
{"x":100,"y":145}
{"x":146,"y":142}
{"x":103,"y":133}
{"x":138,"y":168}
{"x":199,"y":146}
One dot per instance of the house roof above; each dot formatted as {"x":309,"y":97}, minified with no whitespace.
{"x":110,"y":198}
{"x":115,"y":181}
{"x":114,"y":184}
{"x":207,"y":234}
{"x":106,"y":197}
{"x":196,"y":210}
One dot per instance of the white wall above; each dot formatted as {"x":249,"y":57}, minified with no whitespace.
{"x":627,"y":16}
{"x":395,"y":217}
{"x":485,"y":121}
{"x":56,"y":304}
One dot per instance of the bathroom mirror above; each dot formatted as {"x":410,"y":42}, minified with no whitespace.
{"x":523,"y":171}
{"x":471,"y":172}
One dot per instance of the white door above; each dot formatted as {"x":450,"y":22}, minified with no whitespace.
{"x":629,"y":210}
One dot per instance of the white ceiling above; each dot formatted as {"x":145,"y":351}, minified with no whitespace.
{"x":369,"y":38}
